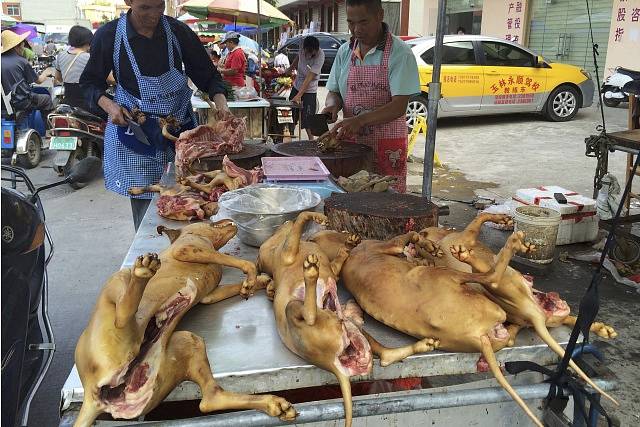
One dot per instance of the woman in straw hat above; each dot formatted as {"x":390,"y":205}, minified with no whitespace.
{"x":15,"y":68}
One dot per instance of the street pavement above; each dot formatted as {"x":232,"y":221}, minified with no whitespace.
{"x":494,"y":155}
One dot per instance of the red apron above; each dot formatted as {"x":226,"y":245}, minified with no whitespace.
{"x":367,"y":89}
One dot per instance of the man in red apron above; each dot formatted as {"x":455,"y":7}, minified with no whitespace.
{"x":372,"y":79}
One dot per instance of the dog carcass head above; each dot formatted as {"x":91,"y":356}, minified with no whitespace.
{"x":219,"y":233}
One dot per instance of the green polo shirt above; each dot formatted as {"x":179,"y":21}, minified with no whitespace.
{"x":403,"y":70}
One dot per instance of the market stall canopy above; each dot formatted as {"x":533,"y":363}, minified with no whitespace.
{"x":8,"y":21}
{"x":26,"y":29}
{"x":237,"y":12}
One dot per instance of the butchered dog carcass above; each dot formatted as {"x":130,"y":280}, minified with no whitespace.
{"x":310,"y":319}
{"x":222,"y":136}
{"x":524,"y":305}
{"x":428,"y":302}
{"x":129,"y":358}
{"x":196,"y":196}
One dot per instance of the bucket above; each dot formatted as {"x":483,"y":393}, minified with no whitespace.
{"x":540,"y":228}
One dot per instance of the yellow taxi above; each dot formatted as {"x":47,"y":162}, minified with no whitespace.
{"x":486,"y":75}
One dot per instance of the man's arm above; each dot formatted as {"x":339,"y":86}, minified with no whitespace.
{"x":383,"y":114}
{"x":293,"y":66}
{"x":94,"y":76}
{"x":305,"y":85}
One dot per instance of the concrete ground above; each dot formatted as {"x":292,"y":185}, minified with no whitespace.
{"x":92,"y":230}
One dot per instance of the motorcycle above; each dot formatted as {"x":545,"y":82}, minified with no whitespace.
{"x":27,"y":337}
{"x":617,"y":87}
{"x":75,"y":134}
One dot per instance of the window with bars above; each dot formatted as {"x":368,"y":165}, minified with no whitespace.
{"x":13,"y":9}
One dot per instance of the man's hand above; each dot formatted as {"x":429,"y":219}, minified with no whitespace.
{"x":297,"y":99}
{"x":348,"y":128}
{"x":117,"y":113}
{"x":332,"y":111}
{"x":221,"y":102}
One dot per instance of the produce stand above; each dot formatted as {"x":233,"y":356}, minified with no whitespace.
{"x":246,"y":355}
{"x":202,"y":108}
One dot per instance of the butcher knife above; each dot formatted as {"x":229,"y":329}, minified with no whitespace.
{"x":318,"y":124}
{"x":138,"y":132}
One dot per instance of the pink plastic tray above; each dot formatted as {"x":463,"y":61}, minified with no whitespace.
{"x":294,"y":168}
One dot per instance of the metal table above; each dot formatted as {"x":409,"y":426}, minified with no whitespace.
{"x":202,"y":108}
{"x":246,"y":353}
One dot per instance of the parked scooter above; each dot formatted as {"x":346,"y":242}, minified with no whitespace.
{"x":27,"y":338}
{"x":23,"y":133}
{"x":75,"y":134}
{"x":618,"y":86}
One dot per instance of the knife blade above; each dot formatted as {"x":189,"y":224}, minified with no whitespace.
{"x":138,"y":132}
{"x":318,"y":124}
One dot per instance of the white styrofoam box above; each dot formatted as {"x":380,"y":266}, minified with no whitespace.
{"x":579,"y":220}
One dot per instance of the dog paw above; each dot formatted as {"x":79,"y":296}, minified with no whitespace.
{"x":426,"y":345}
{"x":271,"y":290}
{"x":430,"y":247}
{"x":460,"y":252}
{"x":320,"y":219}
{"x":353,"y":240}
{"x":281,"y":408}
{"x":311,"y":265}
{"x":146,"y":265}
{"x":603,"y":331}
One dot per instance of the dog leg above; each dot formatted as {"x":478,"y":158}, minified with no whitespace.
{"x":155,"y":188}
{"x":229,"y":291}
{"x":311,"y":272}
{"x":391,"y":355}
{"x":513,"y":330}
{"x":292,"y":242}
{"x":396,"y":245}
{"x":127,"y":303}
{"x":343,"y":253}
{"x":88,"y":413}
{"x":186,"y":357}
{"x":598,"y":328}
{"x":189,"y":253}
{"x":471,"y":232}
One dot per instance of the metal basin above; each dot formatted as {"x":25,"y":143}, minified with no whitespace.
{"x":259,"y":210}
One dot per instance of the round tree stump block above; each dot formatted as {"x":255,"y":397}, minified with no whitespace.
{"x":379,"y":216}
{"x":248,"y":158}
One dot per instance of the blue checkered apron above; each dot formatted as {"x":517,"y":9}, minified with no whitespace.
{"x":128,"y":162}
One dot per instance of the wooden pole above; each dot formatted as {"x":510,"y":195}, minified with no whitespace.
{"x":405,"y":5}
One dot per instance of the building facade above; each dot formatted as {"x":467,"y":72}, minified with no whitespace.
{"x":53,"y":13}
{"x":331,"y":15}
{"x":99,"y":12}
{"x":556,"y":29}
{"x":13,"y":9}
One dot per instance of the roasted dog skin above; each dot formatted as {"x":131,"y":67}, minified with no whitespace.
{"x":310,"y":320}
{"x":129,"y":358}
{"x":431,"y":302}
{"x":514,"y":293}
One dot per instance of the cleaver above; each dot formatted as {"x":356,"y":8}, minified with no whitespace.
{"x":138,"y":132}
{"x":318,"y":124}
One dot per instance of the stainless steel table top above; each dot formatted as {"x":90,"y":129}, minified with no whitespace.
{"x":246,"y":353}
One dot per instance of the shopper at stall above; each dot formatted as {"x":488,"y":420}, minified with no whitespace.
{"x":308,"y":65}
{"x":235,"y":64}
{"x":70,"y":64}
{"x":146,"y":51}
{"x":371,"y":81}
{"x":16,"y":71}
{"x":215,"y":57}
{"x":281,"y":62}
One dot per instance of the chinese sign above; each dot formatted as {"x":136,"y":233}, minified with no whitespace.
{"x":515,"y":89}
{"x":506,"y":20}
{"x":624,"y":36}
{"x":461,"y":78}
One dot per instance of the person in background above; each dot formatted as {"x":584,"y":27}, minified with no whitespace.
{"x":50,"y":48}
{"x":281,"y":62}
{"x":152,"y":57}
{"x":70,"y":64}
{"x":215,"y":57}
{"x":461,"y":31}
{"x":371,"y":81}
{"x":28,"y":53}
{"x":15,"y":69}
{"x":308,"y":65}
{"x":235,"y":63}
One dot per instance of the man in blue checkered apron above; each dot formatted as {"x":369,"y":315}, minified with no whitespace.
{"x":129,"y":162}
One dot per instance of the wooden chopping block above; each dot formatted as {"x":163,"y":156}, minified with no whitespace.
{"x":379,"y":216}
